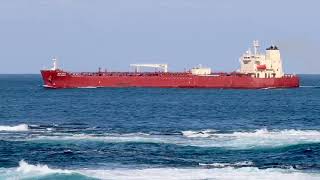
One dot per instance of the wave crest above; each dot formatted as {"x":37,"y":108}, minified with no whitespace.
{"x":226,"y":173}
{"x":222,"y":165}
{"x":257,"y":133}
{"x":257,"y":138}
{"x":29,"y":171}
{"x":204,"y":133}
{"x":223,"y":171}
{"x":20,"y":127}
{"x":260,"y":138}
{"x":25,"y":168}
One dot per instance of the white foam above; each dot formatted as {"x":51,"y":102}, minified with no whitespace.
{"x":204,"y":133}
{"x":221,"y":165}
{"x":257,"y":138}
{"x":261,"y":138}
{"x":34,"y":125}
{"x":38,"y":169}
{"x":136,"y":137}
{"x":20,"y":127}
{"x":26,"y":170}
{"x":227,"y":173}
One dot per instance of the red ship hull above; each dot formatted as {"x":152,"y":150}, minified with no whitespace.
{"x":61,"y":79}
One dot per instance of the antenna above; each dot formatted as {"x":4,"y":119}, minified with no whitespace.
{"x":256,"y":46}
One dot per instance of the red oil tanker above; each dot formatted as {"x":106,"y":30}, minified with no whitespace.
{"x":257,"y":71}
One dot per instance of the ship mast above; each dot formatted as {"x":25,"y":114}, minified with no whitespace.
{"x":55,"y":64}
{"x":256,"y":46}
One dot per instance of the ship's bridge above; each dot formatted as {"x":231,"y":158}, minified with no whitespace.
{"x":262,"y":65}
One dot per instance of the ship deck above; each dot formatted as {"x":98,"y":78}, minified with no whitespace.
{"x":175,"y":74}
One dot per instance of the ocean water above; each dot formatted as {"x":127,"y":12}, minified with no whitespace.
{"x":152,"y":133}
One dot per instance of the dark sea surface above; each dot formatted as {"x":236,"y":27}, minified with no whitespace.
{"x":154,"y":133}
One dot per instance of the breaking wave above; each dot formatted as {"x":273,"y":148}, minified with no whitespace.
{"x":257,"y":138}
{"x":204,"y":134}
{"x":132,"y":137}
{"x":26,"y":170}
{"x":222,"y":165}
{"x":261,"y":138}
{"x":20,"y":127}
{"x":228,"y":173}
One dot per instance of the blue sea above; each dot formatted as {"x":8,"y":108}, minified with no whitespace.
{"x":154,"y":133}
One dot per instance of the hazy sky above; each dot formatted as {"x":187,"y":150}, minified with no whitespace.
{"x":87,"y":34}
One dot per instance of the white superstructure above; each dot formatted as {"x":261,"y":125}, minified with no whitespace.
{"x":201,"y":70}
{"x":262,"y":65}
{"x":161,"y":66}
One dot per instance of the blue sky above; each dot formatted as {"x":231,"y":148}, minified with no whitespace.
{"x":87,"y":34}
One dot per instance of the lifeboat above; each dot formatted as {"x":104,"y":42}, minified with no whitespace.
{"x":261,"y":67}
